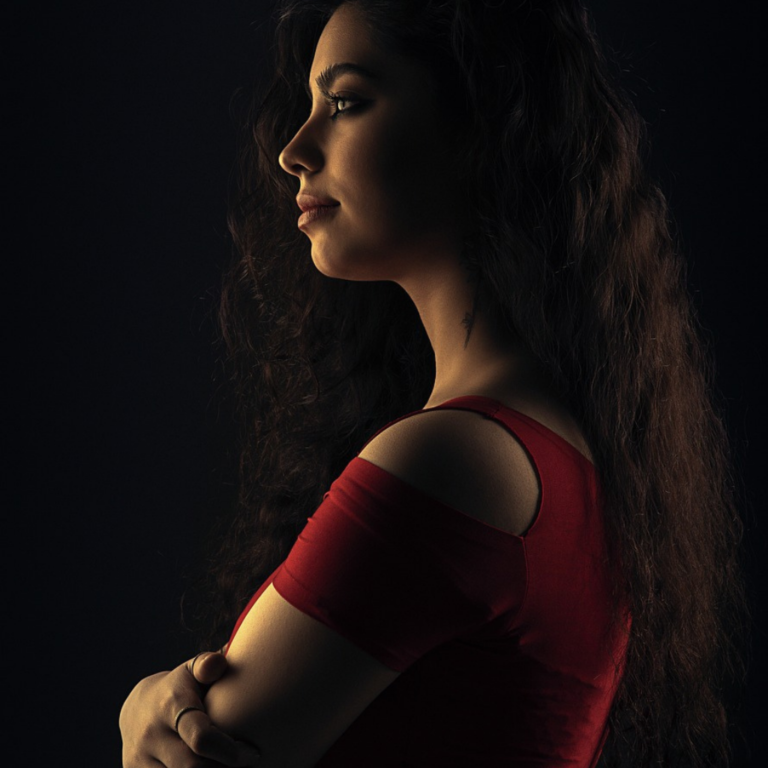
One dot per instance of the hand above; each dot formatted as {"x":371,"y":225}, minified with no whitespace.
{"x":148,"y":715}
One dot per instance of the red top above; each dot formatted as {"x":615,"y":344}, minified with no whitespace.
{"x":501,"y":639}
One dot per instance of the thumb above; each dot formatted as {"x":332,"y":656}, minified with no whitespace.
{"x":209,"y":667}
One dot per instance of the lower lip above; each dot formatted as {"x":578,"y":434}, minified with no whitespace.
{"x":315,"y":214}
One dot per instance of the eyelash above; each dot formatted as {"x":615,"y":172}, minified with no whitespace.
{"x":332,"y":100}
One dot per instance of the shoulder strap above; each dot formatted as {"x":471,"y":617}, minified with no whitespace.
{"x":529,"y":432}
{"x":483,"y":404}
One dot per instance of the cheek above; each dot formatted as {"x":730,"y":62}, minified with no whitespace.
{"x":403,"y":182}
{"x":395,"y":187}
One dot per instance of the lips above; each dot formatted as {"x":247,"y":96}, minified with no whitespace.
{"x":306,"y":201}
{"x":317,"y":213}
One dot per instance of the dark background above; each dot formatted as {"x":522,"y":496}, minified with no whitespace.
{"x":116,"y":166}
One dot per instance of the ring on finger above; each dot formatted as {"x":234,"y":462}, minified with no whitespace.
{"x":192,"y":665}
{"x":183,"y":711}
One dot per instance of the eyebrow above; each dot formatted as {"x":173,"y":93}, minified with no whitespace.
{"x":328,"y":76}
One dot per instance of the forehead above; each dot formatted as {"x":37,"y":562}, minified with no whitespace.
{"x":346,"y":38}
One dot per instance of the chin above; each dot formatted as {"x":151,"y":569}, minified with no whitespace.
{"x":332,"y":265}
{"x":327,"y":266}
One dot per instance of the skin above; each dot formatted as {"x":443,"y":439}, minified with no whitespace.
{"x":386,"y":161}
{"x":148,"y":714}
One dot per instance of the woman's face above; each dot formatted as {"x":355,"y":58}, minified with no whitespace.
{"x":385,"y":158}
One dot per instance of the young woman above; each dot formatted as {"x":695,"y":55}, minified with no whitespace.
{"x":485,"y":377}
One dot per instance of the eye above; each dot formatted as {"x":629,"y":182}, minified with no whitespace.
{"x":333,"y":100}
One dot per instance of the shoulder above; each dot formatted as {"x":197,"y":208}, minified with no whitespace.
{"x":465,"y":460}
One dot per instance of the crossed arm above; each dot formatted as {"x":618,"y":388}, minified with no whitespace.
{"x":289,"y":685}
{"x":149,"y":712}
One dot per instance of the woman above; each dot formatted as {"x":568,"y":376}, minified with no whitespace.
{"x":541,"y":566}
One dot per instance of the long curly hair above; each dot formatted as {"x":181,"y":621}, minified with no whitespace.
{"x":575,"y":252}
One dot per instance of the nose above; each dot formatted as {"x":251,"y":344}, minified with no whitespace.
{"x":302,"y":153}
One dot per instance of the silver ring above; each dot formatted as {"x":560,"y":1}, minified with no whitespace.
{"x":183,"y":711}
{"x":192,"y":665}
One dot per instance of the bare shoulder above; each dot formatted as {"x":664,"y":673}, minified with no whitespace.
{"x":465,"y":460}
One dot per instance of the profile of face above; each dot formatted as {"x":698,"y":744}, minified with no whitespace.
{"x":378,"y":147}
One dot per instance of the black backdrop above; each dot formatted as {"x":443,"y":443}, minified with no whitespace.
{"x":116,"y":166}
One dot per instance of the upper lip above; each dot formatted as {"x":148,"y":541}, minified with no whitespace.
{"x":307,"y":201}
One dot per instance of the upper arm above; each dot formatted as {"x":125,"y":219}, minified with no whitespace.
{"x":464,"y":460}
{"x":294,"y":685}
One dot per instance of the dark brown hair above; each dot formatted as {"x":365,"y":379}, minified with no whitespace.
{"x":574,"y":251}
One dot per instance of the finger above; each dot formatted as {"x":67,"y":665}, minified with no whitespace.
{"x":208,"y":667}
{"x":181,"y":690}
{"x":206,"y":740}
